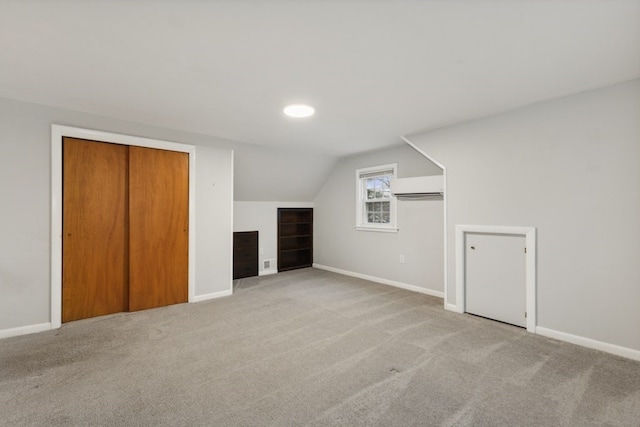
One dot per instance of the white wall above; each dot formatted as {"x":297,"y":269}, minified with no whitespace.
{"x":25,"y":216}
{"x":265,"y":174}
{"x":571,"y":168}
{"x":214,"y":222}
{"x":263,"y":217}
{"x":420,"y":237}
{"x":25,"y":197}
{"x":261,"y":173}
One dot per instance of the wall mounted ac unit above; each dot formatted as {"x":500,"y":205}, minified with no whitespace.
{"x":419,"y":187}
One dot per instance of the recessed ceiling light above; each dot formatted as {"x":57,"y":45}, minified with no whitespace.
{"x":299,"y":110}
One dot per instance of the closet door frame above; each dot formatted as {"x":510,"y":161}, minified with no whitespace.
{"x":57,"y":133}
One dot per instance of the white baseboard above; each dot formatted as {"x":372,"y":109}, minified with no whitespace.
{"x":401,"y":285}
{"x":629,"y":353}
{"x":212,"y":295}
{"x":24,"y":330}
{"x":452,"y":307}
{"x":267,"y":272}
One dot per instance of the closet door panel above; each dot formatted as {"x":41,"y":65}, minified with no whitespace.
{"x":159,"y":227}
{"x":94,"y":241}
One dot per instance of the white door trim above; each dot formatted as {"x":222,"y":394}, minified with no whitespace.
{"x":530,"y":281}
{"x":57,"y":133}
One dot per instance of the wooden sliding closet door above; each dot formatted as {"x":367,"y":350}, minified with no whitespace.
{"x":94,"y":225}
{"x":159,"y":227}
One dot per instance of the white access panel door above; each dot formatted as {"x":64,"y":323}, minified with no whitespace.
{"x":495,"y":277}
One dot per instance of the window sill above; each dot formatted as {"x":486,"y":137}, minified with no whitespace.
{"x":378,"y":229}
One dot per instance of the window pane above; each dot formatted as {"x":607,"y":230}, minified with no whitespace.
{"x":385,"y":216}
{"x":371,"y":194}
{"x":378,"y":212}
{"x":376,"y":198}
{"x":378,"y":187}
{"x":374,"y":212}
{"x":385,"y":181}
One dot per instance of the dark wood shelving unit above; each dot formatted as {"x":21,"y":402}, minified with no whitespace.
{"x":245,"y":254}
{"x":295,"y":238}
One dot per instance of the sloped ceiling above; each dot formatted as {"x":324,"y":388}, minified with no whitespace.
{"x":374,"y":69}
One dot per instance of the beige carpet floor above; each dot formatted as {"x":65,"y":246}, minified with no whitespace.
{"x":309,"y":348}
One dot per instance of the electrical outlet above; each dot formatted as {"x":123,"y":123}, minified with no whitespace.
{"x":401,"y":259}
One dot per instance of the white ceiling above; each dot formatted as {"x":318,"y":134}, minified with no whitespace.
{"x":374,"y":70}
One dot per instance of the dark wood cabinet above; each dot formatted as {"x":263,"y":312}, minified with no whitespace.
{"x":245,"y":254}
{"x":295,"y":238}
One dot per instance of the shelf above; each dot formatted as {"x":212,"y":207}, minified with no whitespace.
{"x":294,"y":250}
{"x":295,"y":238}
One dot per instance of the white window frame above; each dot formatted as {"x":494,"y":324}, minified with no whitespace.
{"x":361,"y":223}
